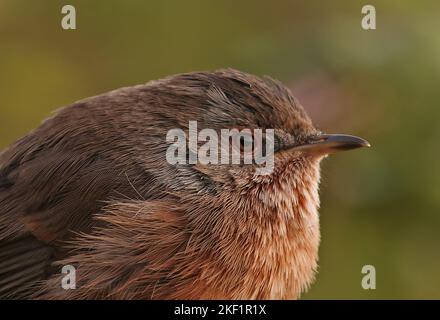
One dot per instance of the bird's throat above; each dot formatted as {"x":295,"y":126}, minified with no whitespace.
{"x":277,"y":236}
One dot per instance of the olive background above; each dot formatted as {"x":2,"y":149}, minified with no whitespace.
{"x":380,"y":206}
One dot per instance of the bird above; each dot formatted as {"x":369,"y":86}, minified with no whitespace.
{"x":91,"y":188}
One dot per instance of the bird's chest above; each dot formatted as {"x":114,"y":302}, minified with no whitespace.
{"x":268,"y":249}
{"x":287,"y":256}
{"x":287,"y":242}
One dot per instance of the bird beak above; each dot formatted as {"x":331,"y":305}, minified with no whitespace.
{"x":324,"y":144}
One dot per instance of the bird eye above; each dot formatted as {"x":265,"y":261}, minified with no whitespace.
{"x":246,"y":142}
{"x":243,"y":142}
{"x":252,"y":145}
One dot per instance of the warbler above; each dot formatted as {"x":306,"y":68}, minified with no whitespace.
{"x":91,"y":188}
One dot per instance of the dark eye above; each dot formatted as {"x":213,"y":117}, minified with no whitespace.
{"x":243,"y":143}
{"x":246,"y":143}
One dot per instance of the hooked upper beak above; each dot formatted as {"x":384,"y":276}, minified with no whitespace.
{"x":330,"y":143}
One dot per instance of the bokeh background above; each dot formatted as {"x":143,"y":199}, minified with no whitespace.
{"x":379,"y":206}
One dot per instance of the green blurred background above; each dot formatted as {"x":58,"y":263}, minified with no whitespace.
{"x":379,"y":206}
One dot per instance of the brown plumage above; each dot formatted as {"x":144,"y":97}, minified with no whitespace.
{"x":91,"y":188}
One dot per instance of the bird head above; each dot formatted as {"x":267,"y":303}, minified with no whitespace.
{"x":253,"y":107}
